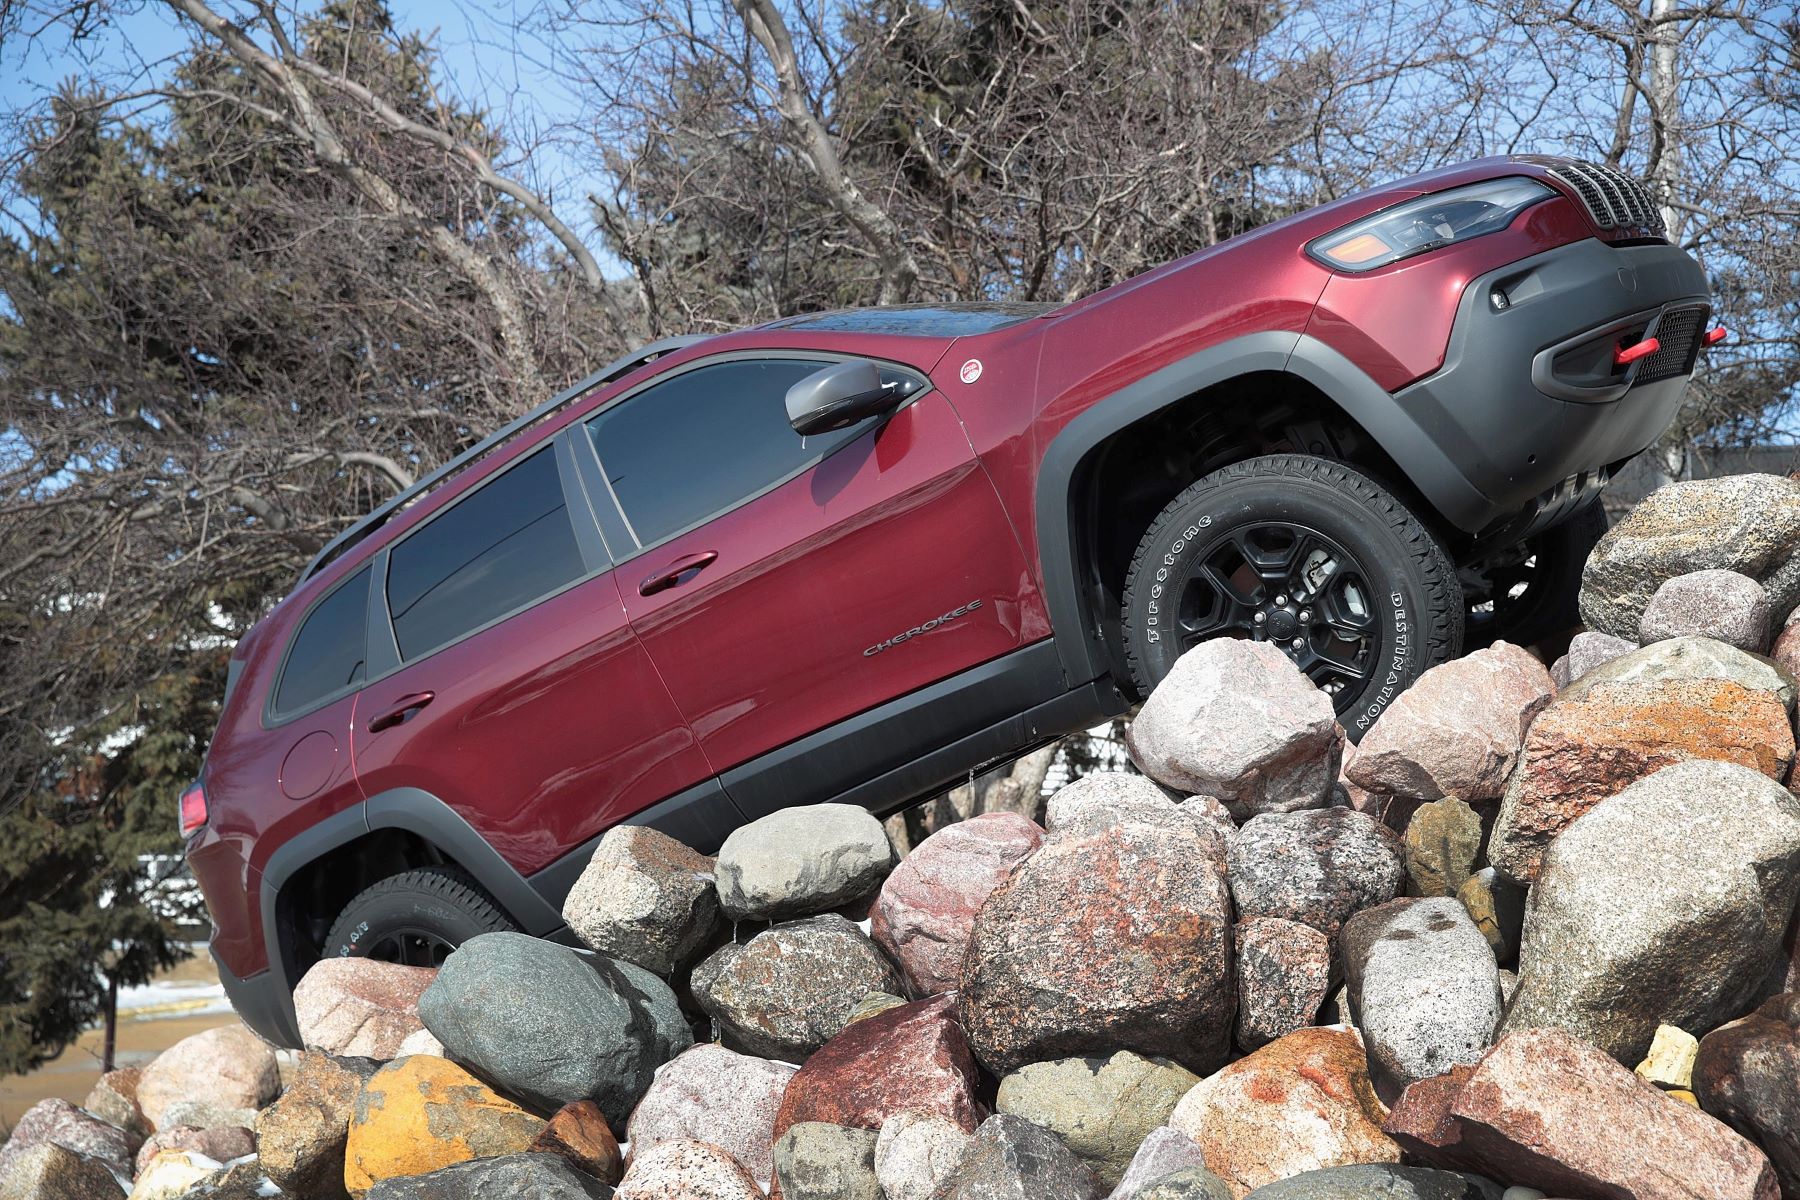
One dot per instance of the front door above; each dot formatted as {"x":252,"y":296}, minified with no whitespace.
{"x":784,"y":583}
{"x":521,"y":698}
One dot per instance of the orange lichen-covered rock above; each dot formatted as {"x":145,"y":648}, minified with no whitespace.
{"x":1301,"y":1103}
{"x":1582,"y":750}
{"x":424,"y":1112}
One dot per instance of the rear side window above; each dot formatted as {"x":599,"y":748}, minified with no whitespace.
{"x":330,"y":651}
{"x":510,"y":542}
{"x":705,"y":441}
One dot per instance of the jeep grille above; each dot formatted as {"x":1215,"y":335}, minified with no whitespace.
{"x":1614,"y":199}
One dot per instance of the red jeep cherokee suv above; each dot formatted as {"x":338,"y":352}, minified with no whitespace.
{"x":854,"y":556}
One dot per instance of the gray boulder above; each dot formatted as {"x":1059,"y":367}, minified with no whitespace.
{"x":1723,"y":605}
{"x":817,"y":1161}
{"x":792,"y":987}
{"x":1165,"y":1152}
{"x":1688,"y":658}
{"x":1189,"y":1183}
{"x":47,"y":1171}
{"x":916,"y":1151}
{"x":1424,"y":986}
{"x":1744,"y":523}
{"x":1011,"y":1159}
{"x":552,"y":1026}
{"x":1102,"y":1108}
{"x":802,"y":860}
{"x":1284,"y":972}
{"x":1106,"y":798}
{"x":507,"y":1177}
{"x":1315,"y":867}
{"x":646,"y":898}
{"x":1379,"y":1181}
{"x":1664,"y":904}
{"x":1236,"y":720}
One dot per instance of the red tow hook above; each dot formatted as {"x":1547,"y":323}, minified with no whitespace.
{"x":1716,"y":335}
{"x":1627,"y":355}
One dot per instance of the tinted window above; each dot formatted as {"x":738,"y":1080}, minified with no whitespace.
{"x":508,"y":543}
{"x":328,"y":652}
{"x":707,"y":439}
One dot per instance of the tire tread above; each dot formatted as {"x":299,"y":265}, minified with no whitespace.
{"x":452,"y":885}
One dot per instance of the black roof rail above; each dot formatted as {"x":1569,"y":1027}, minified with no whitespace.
{"x":375,"y":519}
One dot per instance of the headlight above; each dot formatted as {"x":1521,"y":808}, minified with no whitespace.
{"x":1428,"y":222}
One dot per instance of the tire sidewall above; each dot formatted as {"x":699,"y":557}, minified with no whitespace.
{"x":1398,"y":589}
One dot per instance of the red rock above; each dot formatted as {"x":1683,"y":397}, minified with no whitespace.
{"x":1547,"y":1110}
{"x":927,"y":907}
{"x":1108,"y":937}
{"x":1301,"y":1103}
{"x":1583,"y":749}
{"x":912,"y":1057}
{"x":1786,"y":650}
{"x":1283,"y":978}
{"x":1457,"y":731}
{"x":1421,"y":1123}
{"x":578,"y":1134}
{"x":359,"y":1007}
{"x":57,"y":1122}
{"x":1747,"y":1073}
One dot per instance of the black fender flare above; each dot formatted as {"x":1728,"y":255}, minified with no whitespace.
{"x":417,"y":812}
{"x":1079,"y":638}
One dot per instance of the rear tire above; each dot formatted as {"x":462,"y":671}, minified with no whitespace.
{"x":415,"y":918}
{"x":1368,"y":600}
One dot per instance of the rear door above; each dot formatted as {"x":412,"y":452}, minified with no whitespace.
{"x":518,"y":693}
{"x":781,"y":583}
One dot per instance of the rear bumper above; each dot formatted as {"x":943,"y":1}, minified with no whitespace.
{"x":1530,"y":425}
{"x":264,"y":1001}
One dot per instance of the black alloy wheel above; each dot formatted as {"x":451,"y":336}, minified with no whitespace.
{"x":1288,"y":584}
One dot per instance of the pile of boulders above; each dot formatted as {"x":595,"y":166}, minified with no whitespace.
{"x":1533,"y":937}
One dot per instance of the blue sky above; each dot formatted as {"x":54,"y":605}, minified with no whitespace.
{"x":487,"y":63}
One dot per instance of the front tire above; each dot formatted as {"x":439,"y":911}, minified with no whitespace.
{"x":415,"y":918}
{"x":1309,"y":554}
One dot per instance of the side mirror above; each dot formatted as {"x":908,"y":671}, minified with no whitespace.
{"x":839,"y":396}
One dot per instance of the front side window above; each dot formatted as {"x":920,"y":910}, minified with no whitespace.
{"x":506,"y":544}
{"x":329,"y":653}
{"x":703,"y":442}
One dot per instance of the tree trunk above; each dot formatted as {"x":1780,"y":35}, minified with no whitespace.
{"x":111,"y":1041}
{"x":1665,"y":113}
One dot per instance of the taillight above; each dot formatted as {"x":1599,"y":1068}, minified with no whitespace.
{"x":193,"y":810}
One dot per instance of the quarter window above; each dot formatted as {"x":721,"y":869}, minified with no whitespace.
{"x":329,"y":653}
{"x":705,"y":441}
{"x":508,"y":543}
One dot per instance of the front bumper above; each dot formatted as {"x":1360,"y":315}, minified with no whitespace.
{"x":1530,"y":455}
